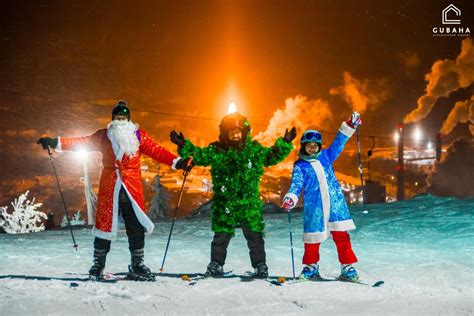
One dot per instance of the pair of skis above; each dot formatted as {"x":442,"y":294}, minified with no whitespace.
{"x":273,"y":280}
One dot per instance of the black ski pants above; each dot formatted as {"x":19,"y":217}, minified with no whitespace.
{"x":255,"y":242}
{"x":135,"y":230}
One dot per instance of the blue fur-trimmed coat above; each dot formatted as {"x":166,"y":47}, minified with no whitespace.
{"x":325,"y":208}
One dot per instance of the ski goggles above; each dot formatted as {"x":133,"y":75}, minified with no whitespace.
{"x":311,"y":137}
{"x":120,"y":110}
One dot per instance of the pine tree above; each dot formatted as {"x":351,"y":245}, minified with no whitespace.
{"x":160,"y":201}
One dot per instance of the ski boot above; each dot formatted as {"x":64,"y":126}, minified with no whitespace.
{"x":96,"y":272}
{"x":311,"y":271}
{"x":214,"y":270}
{"x":261,"y":271}
{"x":348,"y":273}
{"x":137,"y":270}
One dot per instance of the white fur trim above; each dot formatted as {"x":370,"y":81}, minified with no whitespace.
{"x":324,"y":190}
{"x":315,"y":238}
{"x":342,"y":226}
{"x":175,"y":161}
{"x":293,"y":197}
{"x":141,"y":216}
{"x":139,"y":213}
{"x":346,"y":129}
{"x":58,"y":147}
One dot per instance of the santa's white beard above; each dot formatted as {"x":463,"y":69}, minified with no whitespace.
{"x":123,"y":132}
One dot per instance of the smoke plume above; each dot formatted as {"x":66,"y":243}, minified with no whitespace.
{"x":362,"y":94}
{"x":299,"y":112}
{"x":462,"y":112}
{"x":446,"y":76}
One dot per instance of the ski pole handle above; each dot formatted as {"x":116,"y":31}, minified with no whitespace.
{"x":185,"y":172}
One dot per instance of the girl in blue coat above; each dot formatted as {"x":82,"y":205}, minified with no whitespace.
{"x":325,"y":208}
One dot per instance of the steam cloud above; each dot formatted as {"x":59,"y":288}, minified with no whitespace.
{"x":362,"y":94}
{"x":446,"y":76}
{"x":462,"y":112}
{"x":299,"y":112}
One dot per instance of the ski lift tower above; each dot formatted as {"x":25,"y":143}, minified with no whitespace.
{"x":400,"y":166}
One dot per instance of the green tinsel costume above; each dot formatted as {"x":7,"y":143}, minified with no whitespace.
{"x":236,"y":174}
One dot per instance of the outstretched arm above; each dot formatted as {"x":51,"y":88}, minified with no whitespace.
{"x":90,"y":142}
{"x":201,"y":156}
{"x":150,"y":148}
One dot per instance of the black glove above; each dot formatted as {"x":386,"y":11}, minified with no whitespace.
{"x":289,"y":135}
{"x":48,"y":141}
{"x":185,"y":164}
{"x":176,"y":138}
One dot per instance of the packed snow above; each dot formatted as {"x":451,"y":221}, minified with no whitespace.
{"x":422,"y":249}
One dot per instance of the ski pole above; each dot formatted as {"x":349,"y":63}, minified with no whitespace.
{"x":185,"y":173}
{"x":62,"y":198}
{"x":360,"y":168}
{"x":291,"y":243}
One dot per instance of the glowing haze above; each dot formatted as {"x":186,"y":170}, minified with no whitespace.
{"x":446,"y":76}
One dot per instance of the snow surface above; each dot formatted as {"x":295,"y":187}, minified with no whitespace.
{"x":422,"y":249}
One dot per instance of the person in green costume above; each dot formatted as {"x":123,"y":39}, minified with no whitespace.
{"x":237,"y":164}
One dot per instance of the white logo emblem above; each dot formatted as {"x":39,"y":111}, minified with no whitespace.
{"x":445,"y":12}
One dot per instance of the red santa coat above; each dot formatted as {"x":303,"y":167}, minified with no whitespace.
{"x":118,"y":170}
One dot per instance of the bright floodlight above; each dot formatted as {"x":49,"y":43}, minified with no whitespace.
{"x":417,"y":135}
{"x":396,"y":136}
{"x":81,"y":155}
{"x":429,"y":145}
{"x":232,"y":108}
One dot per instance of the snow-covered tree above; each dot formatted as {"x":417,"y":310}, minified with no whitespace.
{"x":25,"y":217}
{"x":160,"y":201}
{"x":76,"y":220}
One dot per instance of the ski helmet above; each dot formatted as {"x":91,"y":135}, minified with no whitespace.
{"x":121,"y":108}
{"x":310,"y":136}
{"x":233,"y":121}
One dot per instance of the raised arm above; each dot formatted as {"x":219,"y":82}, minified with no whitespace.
{"x":186,"y":149}
{"x":201,"y":156}
{"x":346,"y":130}
{"x":280,"y":150}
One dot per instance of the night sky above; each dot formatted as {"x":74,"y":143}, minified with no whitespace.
{"x":65,"y":63}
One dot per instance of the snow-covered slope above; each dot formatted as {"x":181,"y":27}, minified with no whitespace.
{"x":422,"y":249}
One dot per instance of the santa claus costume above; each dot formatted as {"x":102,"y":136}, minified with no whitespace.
{"x":120,"y":187}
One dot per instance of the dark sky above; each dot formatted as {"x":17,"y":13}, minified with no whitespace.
{"x":64,"y":63}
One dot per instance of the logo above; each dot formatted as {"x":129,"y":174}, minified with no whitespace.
{"x":451,"y":15}
{"x":446,"y":11}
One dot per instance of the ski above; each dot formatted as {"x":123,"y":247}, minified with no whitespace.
{"x":193,"y":280}
{"x":376,"y":284}
{"x":250,"y":276}
{"x":73,"y":281}
{"x":319,"y":279}
{"x":335,"y":279}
